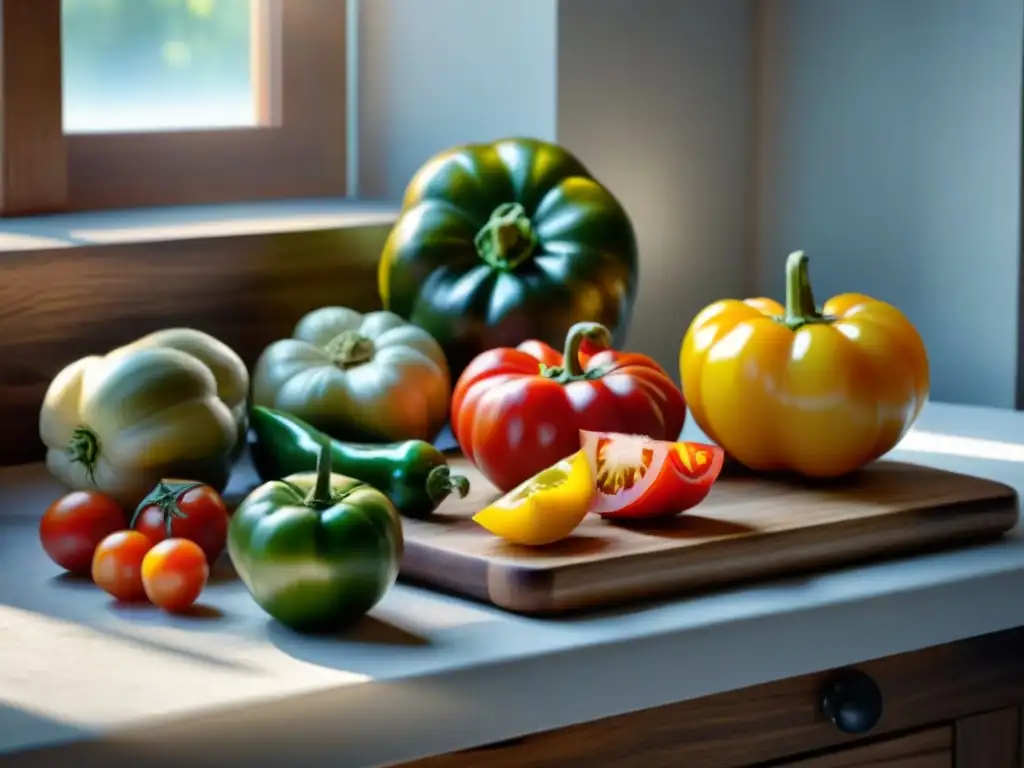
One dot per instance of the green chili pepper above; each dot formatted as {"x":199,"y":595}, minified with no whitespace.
{"x":316,"y":550}
{"x":414,"y":474}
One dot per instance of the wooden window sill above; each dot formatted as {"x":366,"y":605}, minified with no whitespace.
{"x":83,"y":283}
{"x":188,"y":222}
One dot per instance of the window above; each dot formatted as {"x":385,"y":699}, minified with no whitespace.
{"x":150,"y":65}
{"x":123,"y":103}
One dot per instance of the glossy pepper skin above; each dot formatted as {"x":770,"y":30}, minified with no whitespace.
{"x":413,"y":474}
{"x":499,"y":243}
{"x":818,"y":393}
{"x":316,"y":550}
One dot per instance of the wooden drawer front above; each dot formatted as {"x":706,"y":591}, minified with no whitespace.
{"x":925,"y":749}
{"x":779,"y":721}
{"x":989,"y":740}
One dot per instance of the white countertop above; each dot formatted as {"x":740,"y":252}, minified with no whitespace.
{"x":427,"y":674}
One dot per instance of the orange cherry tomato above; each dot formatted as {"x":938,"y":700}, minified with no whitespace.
{"x":174,"y":573}
{"x":117,"y":565}
{"x":75,"y":524}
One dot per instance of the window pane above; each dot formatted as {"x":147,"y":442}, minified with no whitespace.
{"x":151,"y":65}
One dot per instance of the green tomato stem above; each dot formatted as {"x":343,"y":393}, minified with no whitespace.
{"x":571,"y":369}
{"x":507,"y":239}
{"x":350,"y":348}
{"x":322,"y":497}
{"x":165,"y":497}
{"x":801,"y":309}
{"x":441,"y":483}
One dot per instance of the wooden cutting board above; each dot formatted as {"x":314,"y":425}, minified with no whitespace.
{"x":748,"y":528}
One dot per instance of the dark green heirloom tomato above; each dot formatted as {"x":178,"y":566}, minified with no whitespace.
{"x":316,"y":550}
{"x":499,"y":243}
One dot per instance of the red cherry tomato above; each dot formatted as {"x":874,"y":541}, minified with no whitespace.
{"x":639,"y":478}
{"x":117,"y":565}
{"x":184,"y":510}
{"x":75,"y":524}
{"x":174,"y":573}
{"x":516,"y":412}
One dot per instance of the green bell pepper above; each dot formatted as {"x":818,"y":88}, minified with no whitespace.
{"x":499,"y":243}
{"x":414,"y":474}
{"x":316,"y":550}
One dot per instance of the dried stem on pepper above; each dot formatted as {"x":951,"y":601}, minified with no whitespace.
{"x":571,"y":369}
{"x":322,"y":497}
{"x":801,"y":309}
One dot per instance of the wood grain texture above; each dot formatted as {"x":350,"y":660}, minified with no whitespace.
{"x":33,"y":156}
{"x":748,"y":527}
{"x":776,"y":721}
{"x":61,"y":304}
{"x":932,"y":748}
{"x":989,"y":740}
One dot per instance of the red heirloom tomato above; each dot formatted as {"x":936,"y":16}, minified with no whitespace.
{"x":640,"y":478}
{"x":518,"y":411}
{"x":183,"y":510}
{"x":74,"y":525}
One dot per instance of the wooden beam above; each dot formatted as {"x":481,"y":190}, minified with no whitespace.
{"x":33,"y":156}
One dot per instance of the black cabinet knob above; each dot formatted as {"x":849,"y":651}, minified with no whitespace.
{"x":852,"y":701}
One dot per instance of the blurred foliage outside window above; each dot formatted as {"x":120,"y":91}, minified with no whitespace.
{"x":150,"y":65}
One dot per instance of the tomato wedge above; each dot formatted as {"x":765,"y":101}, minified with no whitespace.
{"x":639,"y":478}
{"x":544,"y":509}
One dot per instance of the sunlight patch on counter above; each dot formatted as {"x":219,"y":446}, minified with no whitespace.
{"x":967,"y":447}
{"x":96,"y":677}
{"x":19,"y":241}
{"x":424,"y":612}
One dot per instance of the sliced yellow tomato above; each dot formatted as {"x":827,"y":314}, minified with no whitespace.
{"x":546,"y":508}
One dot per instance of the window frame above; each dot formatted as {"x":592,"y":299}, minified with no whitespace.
{"x":299,"y":152}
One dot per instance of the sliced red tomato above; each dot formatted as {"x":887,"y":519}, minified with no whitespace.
{"x":640,"y":478}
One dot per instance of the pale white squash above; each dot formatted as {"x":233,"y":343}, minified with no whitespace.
{"x":227,"y":367}
{"x":120,"y":423}
{"x":368,"y":377}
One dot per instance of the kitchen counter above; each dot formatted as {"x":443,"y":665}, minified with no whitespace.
{"x":428,"y":674}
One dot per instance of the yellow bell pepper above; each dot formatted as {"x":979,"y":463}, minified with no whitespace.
{"x":547,"y":507}
{"x":816,"y":392}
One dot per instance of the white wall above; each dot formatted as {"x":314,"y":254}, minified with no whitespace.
{"x":653,"y":95}
{"x":881,"y":136}
{"x":656,"y":97}
{"x":435,"y":73}
{"x":890,"y":152}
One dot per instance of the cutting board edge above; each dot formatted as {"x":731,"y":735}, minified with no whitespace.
{"x":532,"y":590}
{"x":992,"y":523}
